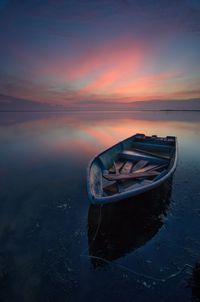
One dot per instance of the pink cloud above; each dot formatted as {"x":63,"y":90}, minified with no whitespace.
{"x":113,"y":71}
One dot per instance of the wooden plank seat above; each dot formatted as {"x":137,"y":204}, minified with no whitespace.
{"x":137,"y":156}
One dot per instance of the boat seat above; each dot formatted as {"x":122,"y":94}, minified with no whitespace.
{"x":136,"y":156}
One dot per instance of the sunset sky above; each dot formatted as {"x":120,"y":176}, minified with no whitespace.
{"x":79,"y":53}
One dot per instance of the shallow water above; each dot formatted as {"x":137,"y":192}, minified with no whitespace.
{"x":54,"y":246}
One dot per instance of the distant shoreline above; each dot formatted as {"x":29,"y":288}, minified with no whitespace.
{"x":97,"y":110}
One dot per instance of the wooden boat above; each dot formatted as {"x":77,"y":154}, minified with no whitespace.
{"x":133,"y":166}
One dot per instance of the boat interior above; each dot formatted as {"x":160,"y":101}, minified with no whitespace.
{"x":131,"y":164}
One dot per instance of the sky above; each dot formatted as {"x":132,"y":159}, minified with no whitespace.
{"x":85,"y":53}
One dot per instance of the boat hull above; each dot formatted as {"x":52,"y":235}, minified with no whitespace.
{"x":106,"y":158}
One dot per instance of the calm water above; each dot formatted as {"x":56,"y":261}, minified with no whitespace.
{"x":54,"y":246}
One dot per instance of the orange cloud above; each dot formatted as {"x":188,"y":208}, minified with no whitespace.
{"x":142,"y":86}
{"x":118,"y":54}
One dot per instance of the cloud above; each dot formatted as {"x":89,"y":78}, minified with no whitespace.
{"x":74,"y":51}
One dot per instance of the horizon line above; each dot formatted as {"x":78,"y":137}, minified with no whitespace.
{"x":85,"y":110}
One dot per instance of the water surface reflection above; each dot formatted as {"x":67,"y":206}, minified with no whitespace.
{"x":44,"y":210}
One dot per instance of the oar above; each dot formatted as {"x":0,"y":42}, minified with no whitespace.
{"x":130,"y":175}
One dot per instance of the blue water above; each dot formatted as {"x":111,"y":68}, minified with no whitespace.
{"x":50,"y":235}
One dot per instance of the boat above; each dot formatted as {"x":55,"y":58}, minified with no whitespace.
{"x":131,"y":167}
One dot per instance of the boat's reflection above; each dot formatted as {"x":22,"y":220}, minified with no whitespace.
{"x":195,"y":283}
{"x":118,"y":228}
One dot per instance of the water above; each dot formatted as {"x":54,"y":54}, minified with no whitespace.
{"x":48,"y":230}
